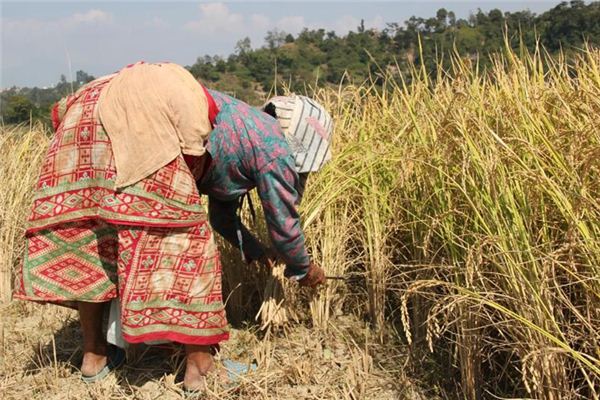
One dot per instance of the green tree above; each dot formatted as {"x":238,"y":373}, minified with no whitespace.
{"x":17,"y":108}
{"x":275,"y":39}
{"x":82,"y":77}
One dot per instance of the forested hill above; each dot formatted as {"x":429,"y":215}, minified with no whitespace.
{"x":317,"y":55}
{"x":324,"y":57}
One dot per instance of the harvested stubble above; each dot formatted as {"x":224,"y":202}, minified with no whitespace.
{"x":278,"y":298}
{"x":42,"y":351}
{"x":469,"y":208}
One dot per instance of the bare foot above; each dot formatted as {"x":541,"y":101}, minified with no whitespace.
{"x":93,"y":361}
{"x":94,"y":342}
{"x":199,"y":363}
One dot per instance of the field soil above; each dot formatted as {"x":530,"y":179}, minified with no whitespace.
{"x":40,"y":352}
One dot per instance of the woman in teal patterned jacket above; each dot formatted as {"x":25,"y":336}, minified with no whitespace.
{"x":249,"y":150}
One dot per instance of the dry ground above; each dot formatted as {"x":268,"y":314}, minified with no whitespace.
{"x":40,"y":351}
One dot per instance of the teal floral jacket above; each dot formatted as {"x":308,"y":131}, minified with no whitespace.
{"x":248,"y":151}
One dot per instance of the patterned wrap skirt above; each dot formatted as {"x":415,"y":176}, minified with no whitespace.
{"x":148,"y":244}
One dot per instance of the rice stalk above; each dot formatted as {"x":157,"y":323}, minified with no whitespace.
{"x":466,"y":206}
{"x":22,"y":150}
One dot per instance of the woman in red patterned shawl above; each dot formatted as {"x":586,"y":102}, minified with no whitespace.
{"x":117,"y":214}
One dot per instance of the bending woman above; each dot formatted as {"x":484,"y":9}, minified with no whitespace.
{"x":252,"y":149}
{"x":116,"y":214}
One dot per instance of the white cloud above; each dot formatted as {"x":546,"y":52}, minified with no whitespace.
{"x":292,"y":24}
{"x":348,"y":23}
{"x":33,"y":26}
{"x":260,"y":22}
{"x":377,"y":22}
{"x":226,"y":26}
{"x":156,"y":23}
{"x":92,"y":16}
{"x":53,"y":42}
{"x":22,"y":25}
{"x":215,"y":18}
{"x":345,"y":24}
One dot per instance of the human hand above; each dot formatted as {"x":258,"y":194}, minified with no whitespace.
{"x":269,"y":259}
{"x":314,"y":277}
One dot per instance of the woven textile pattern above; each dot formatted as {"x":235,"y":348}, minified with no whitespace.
{"x":78,"y":174}
{"x":149,"y":245}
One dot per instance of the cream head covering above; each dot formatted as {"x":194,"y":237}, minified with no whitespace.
{"x":152,"y":113}
{"x":307,"y":127}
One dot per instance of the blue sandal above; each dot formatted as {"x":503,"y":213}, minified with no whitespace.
{"x":235,"y":370}
{"x":115,"y":357}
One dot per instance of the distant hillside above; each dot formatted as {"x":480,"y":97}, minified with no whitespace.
{"x":319,"y":56}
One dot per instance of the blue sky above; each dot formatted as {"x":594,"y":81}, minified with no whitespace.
{"x":44,"y":39}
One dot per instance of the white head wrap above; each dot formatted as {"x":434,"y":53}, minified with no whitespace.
{"x":307,"y":127}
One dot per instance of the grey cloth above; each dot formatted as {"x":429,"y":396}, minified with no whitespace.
{"x":114,"y":333}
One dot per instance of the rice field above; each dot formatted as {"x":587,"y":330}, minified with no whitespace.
{"x":462,"y":211}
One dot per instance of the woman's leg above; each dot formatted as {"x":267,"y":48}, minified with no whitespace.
{"x":199,"y":362}
{"x":94,"y":342}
